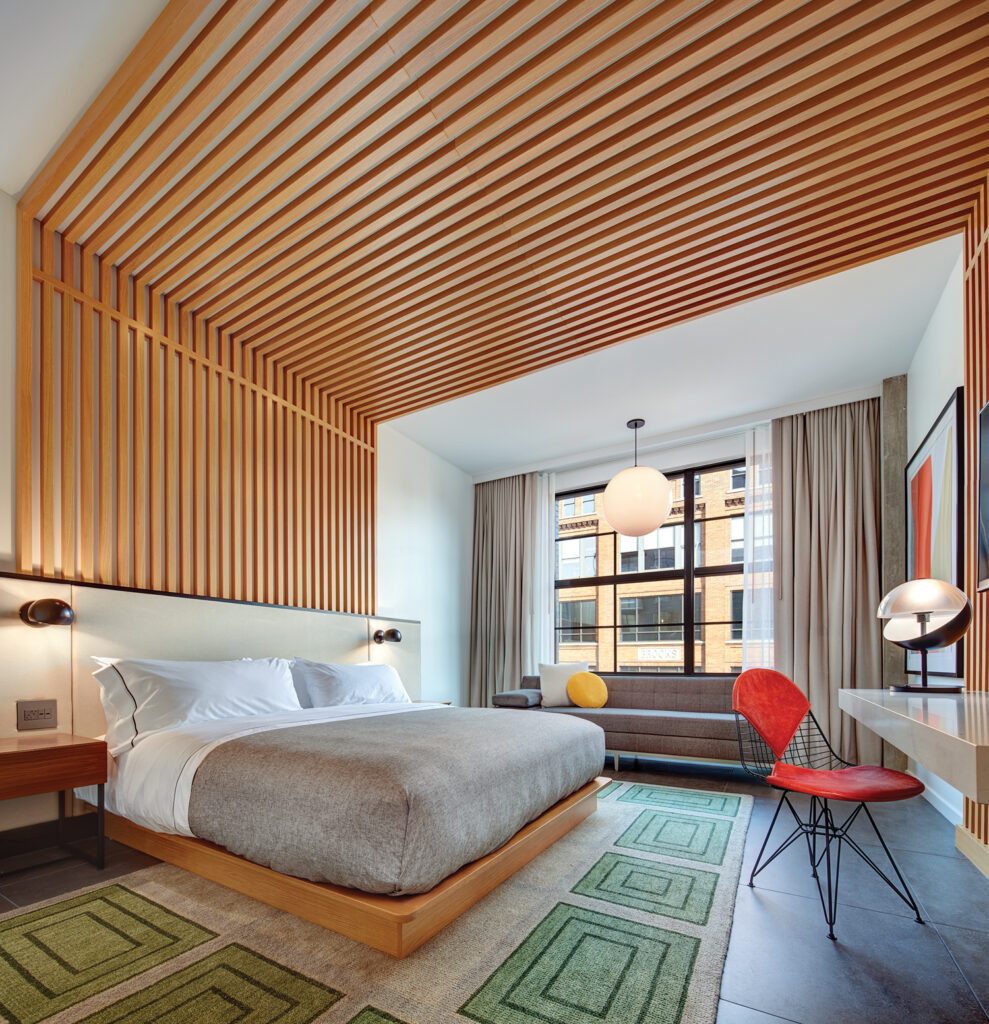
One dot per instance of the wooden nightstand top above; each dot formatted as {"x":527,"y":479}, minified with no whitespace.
{"x":42,"y":740}
{"x":45,"y":763}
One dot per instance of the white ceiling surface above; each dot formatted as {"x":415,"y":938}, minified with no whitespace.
{"x":830,"y":337}
{"x":82,"y":43}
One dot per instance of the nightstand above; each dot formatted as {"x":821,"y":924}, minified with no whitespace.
{"x":55,"y":762}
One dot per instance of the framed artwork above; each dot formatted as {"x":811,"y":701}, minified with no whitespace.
{"x":935,"y":525}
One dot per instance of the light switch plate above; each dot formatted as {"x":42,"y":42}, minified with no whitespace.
{"x":37,"y":714}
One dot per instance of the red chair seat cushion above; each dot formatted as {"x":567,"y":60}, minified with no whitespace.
{"x":861,"y":783}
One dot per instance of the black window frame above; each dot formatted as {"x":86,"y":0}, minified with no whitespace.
{"x":736,"y":632}
{"x":690,"y":573}
{"x":570,"y":629}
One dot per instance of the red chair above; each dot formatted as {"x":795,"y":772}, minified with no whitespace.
{"x":781,"y":743}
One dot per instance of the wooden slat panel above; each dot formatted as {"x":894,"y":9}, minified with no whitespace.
{"x":47,"y":432}
{"x":171,"y":495}
{"x":87,"y":426}
{"x":349,"y":211}
{"x":976,"y":249}
{"x":26,"y":361}
{"x":124,"y":523}
{"x":67,"y":413}
{"x":107,"y":470}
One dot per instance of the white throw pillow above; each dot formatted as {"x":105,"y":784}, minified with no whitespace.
{"x":143,"y":697}
{"x":330,"y":685}
{"x":553,"y":681}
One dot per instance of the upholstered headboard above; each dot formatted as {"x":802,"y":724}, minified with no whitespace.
{"x":121,"y":623}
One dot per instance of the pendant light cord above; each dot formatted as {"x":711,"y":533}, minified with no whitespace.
{"x":635,"y":459}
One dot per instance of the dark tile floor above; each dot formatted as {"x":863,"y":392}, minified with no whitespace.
{"x":781,"y":966}
{"x":31,"y":877}
{"x":884,"y":967}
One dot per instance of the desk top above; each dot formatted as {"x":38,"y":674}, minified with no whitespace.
{"x":964,"y":716}
{"x":947,"y":733}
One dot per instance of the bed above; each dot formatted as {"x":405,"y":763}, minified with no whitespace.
{"x":381,"y":823}
{"x":384,"y":798}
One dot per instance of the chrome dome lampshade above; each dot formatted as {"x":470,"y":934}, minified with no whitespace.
{"x":638,"y":499}
{"x":925,"y":615}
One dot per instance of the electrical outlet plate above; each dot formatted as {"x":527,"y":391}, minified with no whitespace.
{"x":37,"y":714}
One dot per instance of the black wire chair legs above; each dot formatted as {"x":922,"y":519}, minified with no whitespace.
{"x":825,"y":838}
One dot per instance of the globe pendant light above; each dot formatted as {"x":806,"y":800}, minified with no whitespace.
{"x":638,"y":499}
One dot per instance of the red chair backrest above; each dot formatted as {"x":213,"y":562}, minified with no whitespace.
{"x":772,"y":705}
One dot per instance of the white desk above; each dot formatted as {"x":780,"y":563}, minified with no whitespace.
{"x":948,"y":734}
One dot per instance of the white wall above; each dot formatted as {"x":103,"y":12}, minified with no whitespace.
{"x":667,"y":459}
{"x":425,"y":528}
{"x":938,"y":367}
{"x":8,"y":244}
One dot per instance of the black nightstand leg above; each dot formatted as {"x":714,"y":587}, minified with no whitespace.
{"x":100,"y":829}
{"x":61,"y":818}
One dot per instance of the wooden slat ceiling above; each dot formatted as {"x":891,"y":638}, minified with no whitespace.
{"x":398,"y":202}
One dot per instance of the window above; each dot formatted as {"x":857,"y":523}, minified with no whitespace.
{"x":737,"y":540}
{"x":576,"y":558}
{"x":623,"y":602}
{"x":578,"y":621}
{"x":661,"y":549}
{"x":736,"y":615}
{"x":655,"y":617}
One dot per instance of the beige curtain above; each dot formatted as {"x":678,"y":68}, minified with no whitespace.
{"x":826,"y":486}
{"x":511,"y":598}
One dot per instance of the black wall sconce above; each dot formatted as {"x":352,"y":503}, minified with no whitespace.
{"x":387,"y":636}
{"x":49,"y":611}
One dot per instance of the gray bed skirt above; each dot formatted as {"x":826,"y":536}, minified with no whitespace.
{"x":393,"y":803}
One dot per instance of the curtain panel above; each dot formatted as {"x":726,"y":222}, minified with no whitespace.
{"x":511,"y":629}
{"x":826,"y":485}
{"x":757,"y":551}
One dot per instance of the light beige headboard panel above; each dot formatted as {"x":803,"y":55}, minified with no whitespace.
{"x":121,"y":624}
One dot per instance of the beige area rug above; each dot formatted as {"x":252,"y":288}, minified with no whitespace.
{"x":624,"y":921}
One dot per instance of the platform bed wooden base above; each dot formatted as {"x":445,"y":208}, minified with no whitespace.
{"x":396,"y":925}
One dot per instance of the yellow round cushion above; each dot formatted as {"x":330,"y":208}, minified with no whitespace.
{"x":587,"y":690}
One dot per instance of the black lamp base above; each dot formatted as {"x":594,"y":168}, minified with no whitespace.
{"x":933,"y":690}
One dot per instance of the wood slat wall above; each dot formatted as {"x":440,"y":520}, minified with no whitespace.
{"x":149,"y":464}
{"x":976,"y":396}
{"x":283,"y":221}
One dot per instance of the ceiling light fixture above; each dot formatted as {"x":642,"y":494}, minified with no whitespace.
{"x":638,"y":499}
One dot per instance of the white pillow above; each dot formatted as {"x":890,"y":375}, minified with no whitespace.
{"x":553,"y":681}
{"x":330,"y":685}
{"x":143,"y":697}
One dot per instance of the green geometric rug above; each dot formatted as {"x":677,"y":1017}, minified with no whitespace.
{"x":623,"y":921}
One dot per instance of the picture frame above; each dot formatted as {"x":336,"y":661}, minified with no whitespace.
{"x":935,"y":519}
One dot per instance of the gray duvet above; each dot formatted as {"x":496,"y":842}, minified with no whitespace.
{"x":392,"y":803}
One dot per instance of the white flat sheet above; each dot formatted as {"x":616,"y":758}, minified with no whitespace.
{"x":151,"y":784}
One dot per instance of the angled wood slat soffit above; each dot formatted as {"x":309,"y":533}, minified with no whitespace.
{"x":284,"y":221}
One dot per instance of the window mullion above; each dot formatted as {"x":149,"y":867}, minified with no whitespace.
{"x":688,"y":572}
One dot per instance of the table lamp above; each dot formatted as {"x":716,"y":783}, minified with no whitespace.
{"x":925,"y":615}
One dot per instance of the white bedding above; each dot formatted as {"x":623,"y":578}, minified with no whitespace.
{"x":152,"y":783}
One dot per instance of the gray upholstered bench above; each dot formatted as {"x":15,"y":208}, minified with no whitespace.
{"x":674,"y":716}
